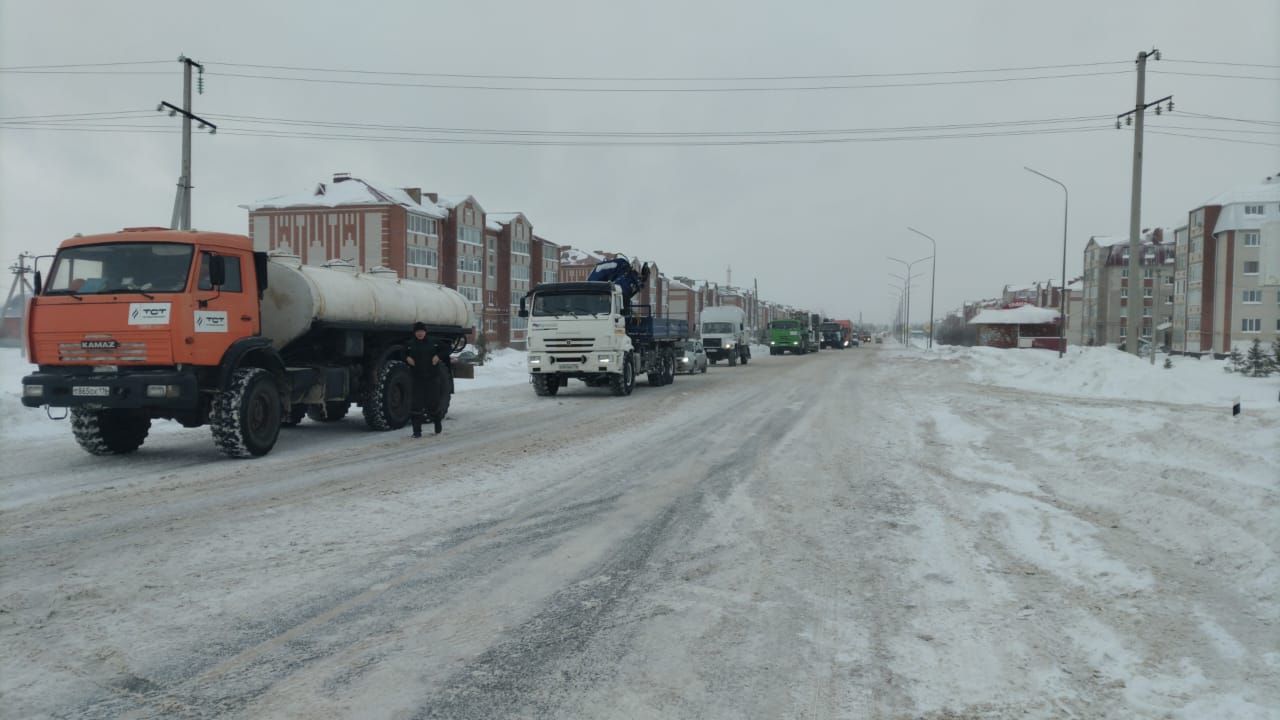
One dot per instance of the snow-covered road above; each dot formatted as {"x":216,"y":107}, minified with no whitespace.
{"x":853,"y":534}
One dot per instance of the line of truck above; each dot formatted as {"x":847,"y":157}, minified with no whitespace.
{"x":197,"y":327}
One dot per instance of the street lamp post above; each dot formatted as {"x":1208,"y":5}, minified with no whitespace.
{"x":909,"y":265}
{"x":1062,"y":319}
{"x":933,"y":269}
{"x":906,"y":293}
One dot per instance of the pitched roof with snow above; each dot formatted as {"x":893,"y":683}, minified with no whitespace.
{"x":449,"y":202}
{"x":1233,"y":202}
{"x":348,"y":191}
{"x":1024,"y":315}
{"x":574,"y":256}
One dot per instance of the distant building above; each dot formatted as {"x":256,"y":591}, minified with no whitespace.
{"x":1106,"y":287}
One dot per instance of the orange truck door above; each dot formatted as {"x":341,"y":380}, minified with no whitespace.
{"x":220,"y":316}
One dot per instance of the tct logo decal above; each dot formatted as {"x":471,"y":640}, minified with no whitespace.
{"x":211,"y":321}
{"x":148,"y":313}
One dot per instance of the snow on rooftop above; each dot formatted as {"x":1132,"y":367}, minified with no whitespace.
{"x":1024,"y":315}
{"x":351,"y":191}
{"x":493,"y":225}
{"x":574,"y":256}
{"x":1267,"y":191}
{"x":503,"y":217}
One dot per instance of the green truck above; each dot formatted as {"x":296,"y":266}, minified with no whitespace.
{"x":795,"y":336}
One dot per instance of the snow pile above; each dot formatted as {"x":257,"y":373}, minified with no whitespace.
{"x":502,"y":368}
{"x":1024,"y":315}
{"x":1108,"y":373}
{"x":14,"y":420}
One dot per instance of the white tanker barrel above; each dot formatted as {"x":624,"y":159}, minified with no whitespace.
{"x":300,"y":296}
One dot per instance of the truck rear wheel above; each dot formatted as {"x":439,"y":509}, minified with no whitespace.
{"x":545,"y":385}
{"x":109,"y":432}
{"x":329,"y":411}
{"x":390,"y":401}
{"x":623,"y":383}
{"x":245,"y":417}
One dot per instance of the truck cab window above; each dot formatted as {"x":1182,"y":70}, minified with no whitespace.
{"x":233,"y":273}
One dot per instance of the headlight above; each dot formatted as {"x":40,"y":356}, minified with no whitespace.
{"x":535,"y":361}
{"x":771,"y":342}
{"x":33,"y":391}
{"x":603,"y":358}
{"x":684,"y":359}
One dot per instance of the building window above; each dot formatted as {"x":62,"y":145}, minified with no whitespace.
{"x":519,"y":272}
{"x":517,"y":322}
{"x":1252,"y":239}
{"x":1251,"y":325}
{"x":470,"y":235}
{"x":1146,"y":312}
{"x":423,"y":257}
{"x":1250,"y":267}
{"x":1252,"y":209}
{"x":493,"y":267}
{"x":422,"y":225}
{"x":469,"y":264}
{"x":1146,"y":292}
{"x":1168,"y":300}
{"x":520,"y":247}
{"x":1124,"y":293}
{"x":1252,"y":296}
{"x":470,"y":293}
{"x":1124,"y":272}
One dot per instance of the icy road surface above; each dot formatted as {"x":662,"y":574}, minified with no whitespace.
{"x":859,"y":534}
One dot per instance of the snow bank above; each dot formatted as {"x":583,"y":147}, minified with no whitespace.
{"x":1108,"y":373}
{"x":502,"y":368}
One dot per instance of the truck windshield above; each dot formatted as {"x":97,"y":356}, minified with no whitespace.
{"x":720,"y":328}
{"x":830,"y":327}
{"x":784,"y":325}
{"x":571,"y":304}
{"x":120,"y":267}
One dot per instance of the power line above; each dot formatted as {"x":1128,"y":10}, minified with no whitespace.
{"x":705,"y":78}
{"x":1218,"y":62}
{"x":1219,"y":139}
{"x":1235,"y":131}
{"x":649,"y":133}
{"x":1231,"y":119}
{"x":75,"y":115}
{"x":1179,"y":73}
{"x":80,"y":65}
{"x":570,"y":89}
{"x":284,"y":134}
{"x":9,"y":71}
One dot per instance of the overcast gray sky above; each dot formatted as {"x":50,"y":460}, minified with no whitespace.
{"x":813,"y":222}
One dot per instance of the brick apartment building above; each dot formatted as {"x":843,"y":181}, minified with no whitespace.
{"x":514,"y":234}
{"x":356,"y":220}
{"x":1227,"y":289}
{"x":1106,"y":287}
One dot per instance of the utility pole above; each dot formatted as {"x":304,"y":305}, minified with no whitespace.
{"x":182,"y":201}
{"x":1135,"y":117}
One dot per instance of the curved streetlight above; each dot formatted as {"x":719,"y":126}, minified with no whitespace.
{"x":1062,"y":318}
{"x":933,"y":269}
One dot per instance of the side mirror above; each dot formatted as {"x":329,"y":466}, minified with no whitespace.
{"x":38,"y":283}
{"x":217,"y":270}
{"x":524,"y":312}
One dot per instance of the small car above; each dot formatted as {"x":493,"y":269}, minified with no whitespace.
{"x":691,"y":357}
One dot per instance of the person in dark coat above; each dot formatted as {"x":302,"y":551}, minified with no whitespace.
{"x":428,"y":380}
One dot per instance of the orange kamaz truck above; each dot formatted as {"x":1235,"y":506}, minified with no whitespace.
{"x":151,"y":323}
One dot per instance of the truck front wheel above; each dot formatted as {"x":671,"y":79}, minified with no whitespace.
{"x":545,"y":385}
{"x":390,"y":401}
{"x":623,"y":383}
{"x":245,"y":417}
{"x":109,"y":432}
{"x":746,"y":355}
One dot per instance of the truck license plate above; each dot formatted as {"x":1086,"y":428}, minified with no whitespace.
{"x":91,"y":391}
